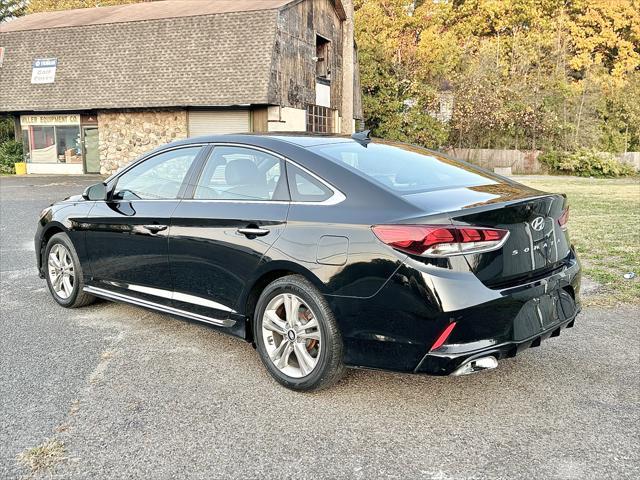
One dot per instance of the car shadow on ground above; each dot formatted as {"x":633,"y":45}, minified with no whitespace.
{"x":527,"y":373}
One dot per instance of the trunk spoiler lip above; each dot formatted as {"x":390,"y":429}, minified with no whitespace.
{"x":493,"y":206}
{"x":449,"y":216}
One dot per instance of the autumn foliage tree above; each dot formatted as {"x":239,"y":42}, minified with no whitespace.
{"x":36,"y":6}
{"x":524,"y":74}
{"x":527,"y":74}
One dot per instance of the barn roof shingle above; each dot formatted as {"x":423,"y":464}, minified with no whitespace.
{"x":135,"y":12}
{"x":210,"y":53}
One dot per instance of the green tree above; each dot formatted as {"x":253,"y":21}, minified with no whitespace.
{"x":10,"y":149}
{"x":11,"y":8}
{"x":6,"y":128}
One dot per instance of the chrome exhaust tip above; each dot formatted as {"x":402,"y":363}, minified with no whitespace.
{"x":476,"y":365}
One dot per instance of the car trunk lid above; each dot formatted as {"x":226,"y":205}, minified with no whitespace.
{"x":537,"y":243}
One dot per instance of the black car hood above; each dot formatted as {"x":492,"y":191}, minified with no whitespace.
{"x":74,"y":198}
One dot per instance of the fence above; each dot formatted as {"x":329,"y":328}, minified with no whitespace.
{"x":518,"y":162}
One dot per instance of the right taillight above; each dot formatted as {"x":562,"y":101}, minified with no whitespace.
{"x":441,"y":240}
{"x":564,"y":219}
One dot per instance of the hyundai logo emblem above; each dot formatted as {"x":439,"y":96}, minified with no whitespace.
{"x":538,"y":224}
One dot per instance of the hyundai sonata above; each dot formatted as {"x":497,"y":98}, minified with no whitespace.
{"x":324,"y":252}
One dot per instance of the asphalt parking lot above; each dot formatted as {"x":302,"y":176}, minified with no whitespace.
{"x":136,"y":394}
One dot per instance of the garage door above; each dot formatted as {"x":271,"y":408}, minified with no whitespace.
{"x":214,"y":122}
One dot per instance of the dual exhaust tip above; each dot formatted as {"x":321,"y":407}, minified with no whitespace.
{"x":476,"y":365}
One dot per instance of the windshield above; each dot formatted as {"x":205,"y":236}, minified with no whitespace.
{"x":404,"y":168}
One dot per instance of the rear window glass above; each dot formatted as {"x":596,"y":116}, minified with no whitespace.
{"x":404,"y":168}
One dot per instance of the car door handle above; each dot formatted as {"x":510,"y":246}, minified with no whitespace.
{"x":155,"y":228}
{"x":255,"y":232}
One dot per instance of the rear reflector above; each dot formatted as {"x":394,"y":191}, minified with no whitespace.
{"x":441,"y":240}
{"x":564,"y":219}
{"x":443,"y":336}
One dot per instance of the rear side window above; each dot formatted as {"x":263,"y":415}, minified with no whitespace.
{"x":240,"y":173}
{"x":306,"y":188}
{"x":403,"y":168}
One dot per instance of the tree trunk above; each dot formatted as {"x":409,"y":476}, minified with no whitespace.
{"x":580,"y":108}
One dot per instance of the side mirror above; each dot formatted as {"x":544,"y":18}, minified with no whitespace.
{"x":95,"y":192}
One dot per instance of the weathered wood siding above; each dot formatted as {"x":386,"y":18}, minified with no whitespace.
{"x":293,"y":73}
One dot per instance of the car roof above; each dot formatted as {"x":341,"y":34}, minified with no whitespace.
{"x":281,"y":143}
{"x":304,"y":140}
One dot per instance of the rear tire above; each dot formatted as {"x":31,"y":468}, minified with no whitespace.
{"x":64,"y":274}
{"x":297,"y":336}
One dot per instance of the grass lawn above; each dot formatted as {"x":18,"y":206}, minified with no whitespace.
{"x":604,"y":225}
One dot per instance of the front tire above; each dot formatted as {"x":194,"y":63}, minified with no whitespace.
{"x":297,"y":336}
{"x":64,"y":273}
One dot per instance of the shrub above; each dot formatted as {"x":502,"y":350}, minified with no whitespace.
{"x":586,"y":162}
{"x":10,"y":153}
{"x":6,"y":128}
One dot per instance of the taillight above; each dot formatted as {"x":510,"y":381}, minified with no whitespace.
{"x":564,"y":219}
{"x":441,"y":240}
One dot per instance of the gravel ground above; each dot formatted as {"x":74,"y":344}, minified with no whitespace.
{"x":136,"y":394}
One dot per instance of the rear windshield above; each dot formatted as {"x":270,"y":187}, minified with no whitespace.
{"x":404,"y":168}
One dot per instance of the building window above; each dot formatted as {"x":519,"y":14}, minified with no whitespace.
{"x":319,"y":119}
{"x":323,"y":64}
{"x":55,"y":144}
{"x":68,"y":144}
{"x":51,"y":138}
{"x":42,"y":137}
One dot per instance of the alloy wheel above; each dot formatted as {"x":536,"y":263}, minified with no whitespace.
{"x":61,"y":271}
{"x":291,"y":335}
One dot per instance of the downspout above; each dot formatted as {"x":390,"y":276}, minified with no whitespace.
{"x":346,"y":126}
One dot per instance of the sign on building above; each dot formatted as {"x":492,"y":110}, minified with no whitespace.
{"x":1,"y":55}
{"x":44,"y":70}
{"x":41,"y":120}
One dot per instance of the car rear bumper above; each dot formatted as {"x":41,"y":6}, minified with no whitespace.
{"x":397,"y":327}
{"x":447,"y":362}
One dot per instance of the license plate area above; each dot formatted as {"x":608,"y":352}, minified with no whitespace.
{"x":542,"y":313}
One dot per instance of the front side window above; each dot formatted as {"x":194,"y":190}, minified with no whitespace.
{"x":159,"y":177}
{"x":240,"y":173}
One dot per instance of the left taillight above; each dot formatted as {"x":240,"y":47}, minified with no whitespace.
{"x":441,"y":240}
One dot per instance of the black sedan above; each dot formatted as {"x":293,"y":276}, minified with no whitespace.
{"x":324,"y":252}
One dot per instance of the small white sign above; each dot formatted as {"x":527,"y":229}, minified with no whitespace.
{"x":44,"y":70}
{"x":323,"y":95}
{"x":1,"y":55}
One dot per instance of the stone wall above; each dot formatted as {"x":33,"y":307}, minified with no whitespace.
{"x":125,"y":135}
